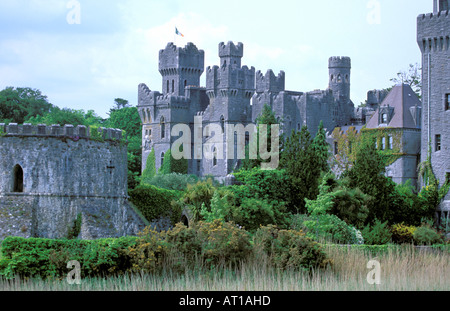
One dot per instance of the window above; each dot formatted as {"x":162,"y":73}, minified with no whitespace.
{"x":199,"y":164}
{"x":185,"y":83}
{"x":384,"y":118}
{"x":168,"y":90}
{"x":173,"y":86}
{"x":222,"y":123}
{"x":18,"y":179}
{"x":383,"y":143}
{"x":391,"y":142}
{"x":163,"y":128}
{"x":214,"y":156}
{"x":336,"y":148}
{"x":162,"y":159}
{"x":437,"y":142}
{"x":447,"y":102}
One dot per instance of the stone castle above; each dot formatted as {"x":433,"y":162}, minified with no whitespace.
{"x":234,"y":94}
{"x":52,"y":175}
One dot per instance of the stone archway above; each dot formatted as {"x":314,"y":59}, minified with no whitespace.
{"x":17,"y":179}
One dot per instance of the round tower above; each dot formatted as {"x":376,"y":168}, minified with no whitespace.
{"x":339,"y":75}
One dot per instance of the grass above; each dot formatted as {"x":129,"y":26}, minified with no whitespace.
{"x":402,"y":269}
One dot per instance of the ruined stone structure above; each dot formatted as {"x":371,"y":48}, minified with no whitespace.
{"x":433,"y":31}
{"x":234,"y":94}
{"x":51,"y":174}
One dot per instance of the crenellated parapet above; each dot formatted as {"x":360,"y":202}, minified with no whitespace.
{"x":433,"y":31}
{"x":67,"y":131}
{"x":270,"y":82}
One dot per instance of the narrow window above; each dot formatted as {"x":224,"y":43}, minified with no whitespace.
{"x":162,"y":159}
{"x":173,"y":86}
{"x":198,"y":165}
{"x":384,"y":118}
{"x":163,"y":128}
{"x":391,"y":142}
{"x":383,"y":143}
{"x":215,"y":156}
{"x":168,"y":86}
{"x":185,"y":83}
{"x":18,"y":179}
{"x":447,"y":102}
{"x":222,"y":123}
{"x":437,"y":142}
{"x":336,"y":148}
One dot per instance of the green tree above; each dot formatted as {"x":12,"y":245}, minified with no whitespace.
{"x":322,"y":148}
{"x":301,"y":163}
{"x":64,"y":116}
{"x":412,"y":76}
{"x":268,"y":118}
{"x":22,"y":103}
{"x":170,"y":165}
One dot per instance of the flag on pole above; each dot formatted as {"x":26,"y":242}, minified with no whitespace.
{"x":178,"y":33}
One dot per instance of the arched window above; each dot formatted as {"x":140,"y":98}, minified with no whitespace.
{"x":339,"y":79}
{"x":18,"y":179}
{"x":185,"y":83}
{"x":222,"y":123}
{"x":162,"y":159}
{"x":383,"y":143}
{"x":332,"y":78}
{"x":346,"y":78}
{"x":163,"y":128}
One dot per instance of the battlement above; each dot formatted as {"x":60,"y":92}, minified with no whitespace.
{"x":270,"y":82}
{"x":232,"y":78}
{"x":189,"y":58}
{"x":231,"y":50}
{"x":433,"y":31}
{"x":339,"y":62}
{"x":69,"y":131}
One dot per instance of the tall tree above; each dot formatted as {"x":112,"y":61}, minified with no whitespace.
{"x":322,"y":148}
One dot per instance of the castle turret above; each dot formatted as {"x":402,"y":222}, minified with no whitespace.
{"x":433,"y":32}
{"x":180,"y":67}
{"x":269,"y":82}
{"x":339,"y":74}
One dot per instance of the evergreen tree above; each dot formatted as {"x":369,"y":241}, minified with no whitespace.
{"x":321,"y":148}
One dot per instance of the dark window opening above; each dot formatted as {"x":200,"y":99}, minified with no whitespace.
{"x":162,"y":159}
{"x":163,"y":128}
{"x":18,"y":179}
{"x":173,"y":86}
{"x":168,"y":90}
{"x":336,"y":148}
{"x":447,"y":101}
{"x":437,"y":143}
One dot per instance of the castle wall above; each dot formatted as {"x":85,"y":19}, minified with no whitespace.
{"x":433,"y":31}
{"x":66,"y":173}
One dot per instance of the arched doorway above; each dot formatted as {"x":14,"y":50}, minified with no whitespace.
{"x":18,"y":179}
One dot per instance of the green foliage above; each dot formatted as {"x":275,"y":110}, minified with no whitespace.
{"x":367,"y":174}
{"x":198,"y":196}
{"x":154,"y":202}
{"x":268,"y":118}
{"x":402,"y":233}
{"x":322,"y":148}
{"x":48,"y":258}
{"x":172,"y":181}
{"x":75,"y":229}
{"x":170,"y":165}
{"x":330,"y":228}
{"x":150,"y":168}
{"x":425,"y":235}
{"x":63,"y":116}
{"x":271,"y":185}
{"x":20,"y":104}
{"x":289,"y":249}
{"x":377,"y":234}
{"x":301,"y":163}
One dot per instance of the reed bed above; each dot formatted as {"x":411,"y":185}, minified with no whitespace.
{"x":402,"y":269}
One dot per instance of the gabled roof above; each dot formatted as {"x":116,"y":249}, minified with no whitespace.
{"x":402,"y":106}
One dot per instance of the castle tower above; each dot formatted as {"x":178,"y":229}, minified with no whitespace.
{"x":339,"y":75}
{"x":433,"y":31}
{"x":180,"y":67}
{"x":230,"y":88}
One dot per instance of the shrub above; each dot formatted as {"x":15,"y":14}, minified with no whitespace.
{"x":154,"y":202}
{"x":172,"y":181}
{"x":377,"y":234}
{"x":170,"y":165}
{"x":47,"y":258}
{"x":289,"y":249}
{"x":331,"y":228}
{"x":223,"y":242}
{"x":150,"y":167}
{"x":402,"y":233}
{"x":197,"y":195}
{"x":425,"y":235}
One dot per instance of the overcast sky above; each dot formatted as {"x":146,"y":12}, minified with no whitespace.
{"x":83,"y":54}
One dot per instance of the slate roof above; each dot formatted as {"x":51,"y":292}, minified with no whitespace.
{"x":403,"y":100}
